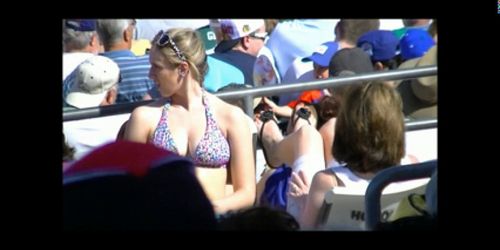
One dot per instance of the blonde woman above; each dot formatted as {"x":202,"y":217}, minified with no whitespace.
{"x":191,"y":122}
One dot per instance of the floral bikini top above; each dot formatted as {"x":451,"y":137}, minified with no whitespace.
{"x":212,"y":150}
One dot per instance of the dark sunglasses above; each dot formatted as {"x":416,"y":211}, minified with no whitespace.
{"x":260,"y":35}
{"x":164,"y":40}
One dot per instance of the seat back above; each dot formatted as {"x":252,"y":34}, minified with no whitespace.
{"x":373,"y":200}
{"x":344,"y":208}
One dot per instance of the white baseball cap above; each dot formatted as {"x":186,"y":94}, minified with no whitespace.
{"x":94,"y":77}
{"x":234,"y":29}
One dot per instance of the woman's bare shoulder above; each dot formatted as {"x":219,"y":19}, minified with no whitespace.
{"x":226,"y":110}
{"x":327,"y":130}
{"x":325,"y":179}
{"x":148,"y":110}
{"x":329,"y":125}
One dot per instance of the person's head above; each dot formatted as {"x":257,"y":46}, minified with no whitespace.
{"x":247,"y":35}
{"x":237,"y":102}
{"x":115,"y":188}
{"x":339,"y":92}
{"x":382,"y":46}
{"x":348,"y":62}
{"x":79,"y":35}
{"x":116,"y":34}
{"x":351,"y":59}
{"x":95,"y":83}
{"x":259,"y":218}
{"x":321,"y":59}
{"x":328,"y":108}
{"x":177,"y":56}
{"x":349,"y":30}
{"x":415,"y":43}
{"x":370,"y":129}
{"x":330,"y":104}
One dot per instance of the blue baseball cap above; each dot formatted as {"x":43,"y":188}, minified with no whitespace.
{"x":323,"y":54}
{"x":415,"y":43}
{"x":81,"y":24}
{"x":381,"y":45}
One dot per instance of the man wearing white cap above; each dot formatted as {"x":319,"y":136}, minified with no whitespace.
{"x":242,"y":40}
{"x":95,"y":85}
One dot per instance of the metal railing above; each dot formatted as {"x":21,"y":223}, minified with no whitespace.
{"x":420,"y":124}
{"x":248,"y":94}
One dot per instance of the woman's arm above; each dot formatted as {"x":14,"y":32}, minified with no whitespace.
{"x":321,"y":183}
{"x":242,"y":163}
{"x":138,"y":128}
{"x":327,"y":133}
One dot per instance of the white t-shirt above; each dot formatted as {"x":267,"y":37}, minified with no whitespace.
{"x":349,"y":179}
{"x":299,"y":71}
{"x":354,"y":182}
{"x":88,"y":134}
{"x":299,"y":38}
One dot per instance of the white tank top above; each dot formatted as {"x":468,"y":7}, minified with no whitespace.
{"x":349,"y":179}
{"x":354,"y":182}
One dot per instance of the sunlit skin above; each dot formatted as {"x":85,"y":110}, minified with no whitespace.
{"x":187,"y":124}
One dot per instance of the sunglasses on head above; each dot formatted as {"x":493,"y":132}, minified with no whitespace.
{"x":164,"y":39}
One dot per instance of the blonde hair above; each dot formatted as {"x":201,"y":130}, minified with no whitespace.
{"x":191,"y":46}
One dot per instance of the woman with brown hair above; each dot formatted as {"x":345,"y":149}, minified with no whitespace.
{"x":369,"y":136}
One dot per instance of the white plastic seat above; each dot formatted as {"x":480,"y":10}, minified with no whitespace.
{"x":344,"y":208}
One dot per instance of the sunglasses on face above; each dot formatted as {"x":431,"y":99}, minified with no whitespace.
{"x":165,"y":40}
{"x":259,"y":35}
